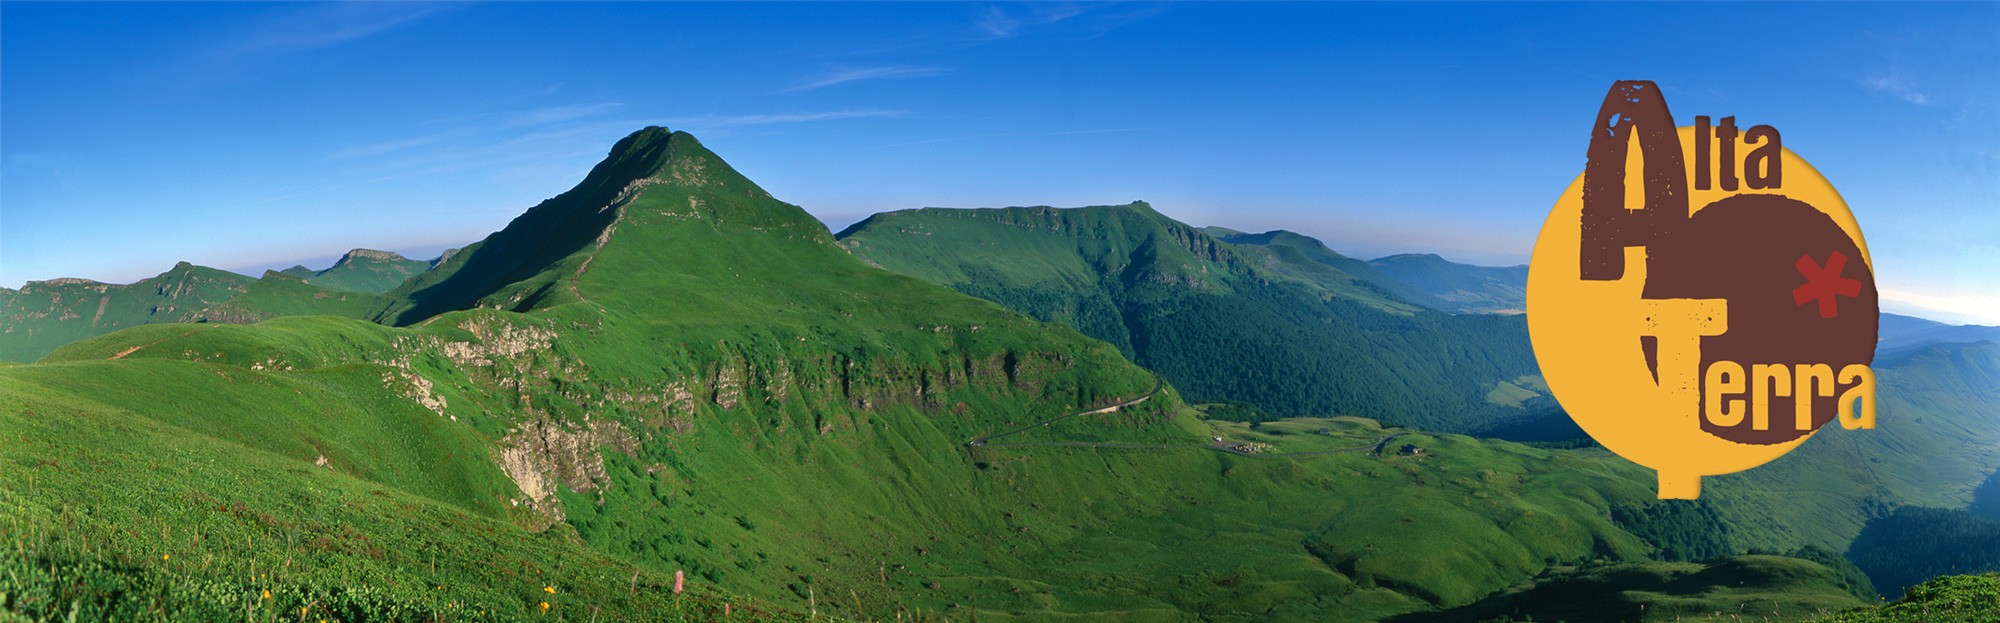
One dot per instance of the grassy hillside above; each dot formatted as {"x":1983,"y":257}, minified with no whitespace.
{"x":1463,"y":287}
{"x":44,"y":315}
{"x":1913,"y":544}
{"x":1939,"y":420}
{"x":1949,"y":598}
{"x":1742,"y":588}
{"x":1305,"y":259}
{"x":1425,"y":280}
{"x":363,"y":270}
{"x":1221,"y":322}
{"x":283,"y":488}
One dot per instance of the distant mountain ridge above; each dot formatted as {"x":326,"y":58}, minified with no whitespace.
{"x":1278,"y":321}
{"x":1424,"y":279}
{"x":1902,"y":335}
{"x":363,"y":270}
{"x":1462,"y":287}
{"x":44,"y":315}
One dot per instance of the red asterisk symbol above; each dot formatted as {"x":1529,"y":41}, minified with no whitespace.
{"x":1824,"y":284}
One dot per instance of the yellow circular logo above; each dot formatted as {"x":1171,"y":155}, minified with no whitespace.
{"x":1700,"y":299}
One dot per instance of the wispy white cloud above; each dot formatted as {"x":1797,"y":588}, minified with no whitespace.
{"x":557,"y":114}
{"x":1000,"y":22}
{"x":271,"y":40}
{"x":542,"y":92}
{"x":991,"y":24}
{"x":321,"y":25}
{"x":974,"y":137}
{"x":734,"y":121}
{"x":471,"y":126}
{"x":384,"y":147}
{"x":523,"y":140}
{"x":858,"y":74}
{"x":471,"y":148}
{"x":1895,"y":85}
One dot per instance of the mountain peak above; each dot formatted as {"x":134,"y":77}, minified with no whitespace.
{"x":648,"y":149}
{"x":371,"y":254}
{"x":1412,"y":257}
{"x":653,"y":181}
{"x":657,"y":155}
{"x":65,"y":281}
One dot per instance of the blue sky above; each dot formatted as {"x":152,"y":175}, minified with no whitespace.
{"x":247,"y":135}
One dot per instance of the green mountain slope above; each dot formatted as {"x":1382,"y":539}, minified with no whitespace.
{"x":683,"y":373}
{"x":1939,"y":420}
{"x":44,"y":315}
{"x":1914,"y":543}
{"x":1464,"y":287}
{"x":273,"y":490}
{"x":1424,"y":279}
{"x":1901,"y":335}
{"x":363,"y":270}
{"x":1260,"y":324}
{"x":1949,"y":598}
{"x":1306,"y":260}
{"x":1755,"y":588}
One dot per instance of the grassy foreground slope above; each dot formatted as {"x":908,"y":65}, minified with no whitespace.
{"x":1260,"y":325}
{"x":218,"y":488}
{"x":1948,"y":598}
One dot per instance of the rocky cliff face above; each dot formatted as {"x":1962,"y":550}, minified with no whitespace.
{"x":541,"y":455}
{"x":370,"y":254}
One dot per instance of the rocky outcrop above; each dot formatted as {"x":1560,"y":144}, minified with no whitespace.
{"x":497,"y":340}
{"x":369,"y":254}
{"x":68,"y":281}
{"x":542,"y":455}
{"x":419,"y":390}
{"x":825,"y":382}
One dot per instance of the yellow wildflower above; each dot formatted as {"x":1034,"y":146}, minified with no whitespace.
{"x":164,"y":557}
{"x":545,"y":606}
{"x":549,"y":589}
{"x":267,"y":593}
